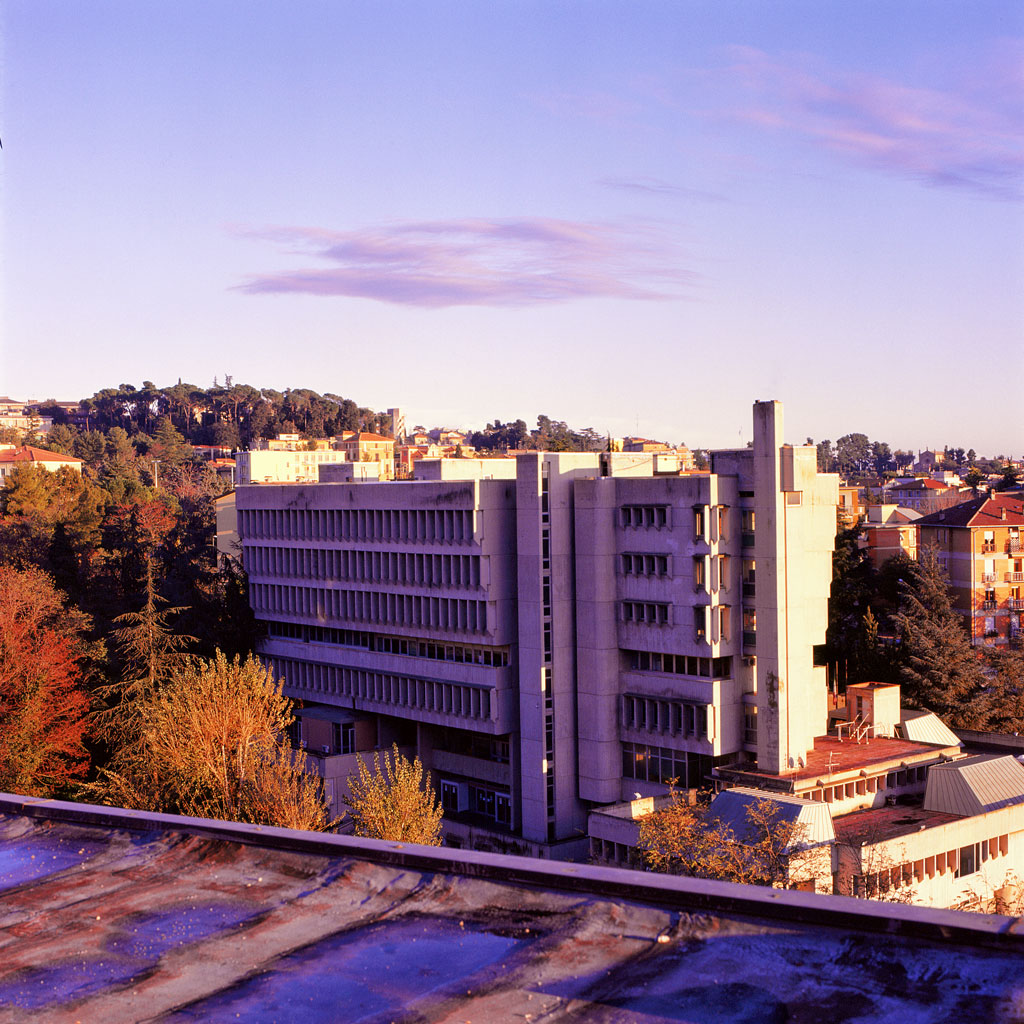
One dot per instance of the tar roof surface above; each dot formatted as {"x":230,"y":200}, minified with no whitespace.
{"x":100,"y":924}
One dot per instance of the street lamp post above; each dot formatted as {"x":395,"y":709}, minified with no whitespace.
{"x":156,"y":474}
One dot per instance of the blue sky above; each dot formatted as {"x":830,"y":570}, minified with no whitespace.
{"x":636,"y":216}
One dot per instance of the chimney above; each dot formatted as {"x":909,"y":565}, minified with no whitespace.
{"x":1002,"y":511}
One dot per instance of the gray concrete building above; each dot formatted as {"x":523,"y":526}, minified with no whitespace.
{"x":551,"y":633}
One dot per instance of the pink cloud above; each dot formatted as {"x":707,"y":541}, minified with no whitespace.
{"x":970,"y":140}
{"x":476,"y":261}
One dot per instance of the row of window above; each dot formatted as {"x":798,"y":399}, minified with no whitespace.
{"x":636,"y":516}
{"x":651,"y":612}
{"x":492,"y":657}
{"x":659,"y":516}
{"x":408,"y":567}
{"x":645,"y":565}
{"x":672,"y":717}
{"x":490,"y":803}
{"x":964,"y":861}
{"x":469,"y":702}
{"x":679,"y":664}
{"x":369,"y":606}
{"x":452,"y":525}
{"x":662,"y":764}
{"x":875,"y":784}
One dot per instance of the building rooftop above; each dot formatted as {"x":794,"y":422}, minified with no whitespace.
{"x":833,"y":756}
{"x":880,"y":823}
{"x":29,"y":454}
{"x":975,"y":785}
{"x":113,"y":915}
{"x":996,"y":510}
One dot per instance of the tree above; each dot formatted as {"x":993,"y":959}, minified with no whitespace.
{"x":826,"y":460}
{"x":215,"y":745}
{"x":1010,"y":478}
{"x":43,"y":705}
{"x":395,"y":801}
{"x":688,"y":839}
{"x":939,"y":669}
{"x":853,"y":452}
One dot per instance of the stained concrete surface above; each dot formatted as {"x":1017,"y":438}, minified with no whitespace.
{"x":106,"y":925}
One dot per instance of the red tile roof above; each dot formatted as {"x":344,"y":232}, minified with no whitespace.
{"x":30,"y":454}
{"x":997,"y":510}
{"x":367,"y":437}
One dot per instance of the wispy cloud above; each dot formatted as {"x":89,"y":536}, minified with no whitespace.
{"x":478,"y":262}
{"x":970,"y":139}
{"x":655,"y":186}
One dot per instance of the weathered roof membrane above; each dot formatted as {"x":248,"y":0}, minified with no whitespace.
{"x":111,"y":915}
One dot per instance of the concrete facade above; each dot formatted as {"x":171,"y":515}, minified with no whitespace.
{"x":560,"y":631}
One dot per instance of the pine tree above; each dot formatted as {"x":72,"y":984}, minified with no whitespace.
{"x":939,"y":669}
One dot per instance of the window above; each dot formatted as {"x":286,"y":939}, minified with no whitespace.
{"x":647,"y":612}
{"x":699,"y":572}
{"x":699,"y":520}
{"x":645,"y":565}
{"x":700,"y":623}
{"x":344,"y":737}
{"x":449,"y":796}
{"x":636,"y":516}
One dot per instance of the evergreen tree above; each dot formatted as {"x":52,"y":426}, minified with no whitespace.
{"x":939,"y":669}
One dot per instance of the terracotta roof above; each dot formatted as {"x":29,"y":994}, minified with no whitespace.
{"x":368,"y":437}
{"x":980,"y":512}
{"x":926,"y":485}
{"x":30,"y":454}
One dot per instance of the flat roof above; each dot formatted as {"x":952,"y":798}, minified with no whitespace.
{"x":877,"y":824}
{"x":113,"y":915}
{"x":832,"y":756}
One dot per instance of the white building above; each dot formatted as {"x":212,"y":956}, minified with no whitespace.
{"x":283,"y":466}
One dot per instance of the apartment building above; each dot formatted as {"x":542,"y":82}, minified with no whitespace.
{"x":888,"y":531}
{"x":283,"y":465}
{"x":556,"y":632}
{"x":980,"y":544}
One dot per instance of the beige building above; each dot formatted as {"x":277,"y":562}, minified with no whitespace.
{"x":560,"y":630}
{"x":366,"y":447}
{"x":889,"y":530}
{"x":12,"y":457}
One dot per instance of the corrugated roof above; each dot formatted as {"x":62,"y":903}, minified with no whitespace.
{"x":974,"y":785}
{"x":731,"y":806}
{"x":926,"y":727}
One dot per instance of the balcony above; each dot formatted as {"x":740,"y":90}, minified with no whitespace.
{"x":749,"y":590}
{"x":988,"y":577}
{"x":988,"y":546}
{"x":1015,"y":577}
{"x":749,"y":641}
{"x":1015,"y":604}
{"x":1013,"y":545}
{"x":497,"y":772}
{"x":989,"y":606}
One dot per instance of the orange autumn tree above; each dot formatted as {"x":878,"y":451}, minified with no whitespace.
{"x":43,"y":704}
